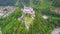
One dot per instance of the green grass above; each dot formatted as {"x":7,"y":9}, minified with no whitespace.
{"x":29,"y":20}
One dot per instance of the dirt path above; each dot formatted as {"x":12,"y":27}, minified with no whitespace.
{"x":18,"y":30}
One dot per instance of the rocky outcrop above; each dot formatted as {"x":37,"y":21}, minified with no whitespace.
{"x":6,"y":10}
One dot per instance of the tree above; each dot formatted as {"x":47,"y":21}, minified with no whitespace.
{"x":56,"y":3}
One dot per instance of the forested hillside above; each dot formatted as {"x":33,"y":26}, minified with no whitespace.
{"x":29,"y":2}
{"x":11,"y":24}
{"x":7,"y":2}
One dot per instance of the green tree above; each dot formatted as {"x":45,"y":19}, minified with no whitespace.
{"x":56,"y":3}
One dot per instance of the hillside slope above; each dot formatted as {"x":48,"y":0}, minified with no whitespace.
{"x":40,"y":25}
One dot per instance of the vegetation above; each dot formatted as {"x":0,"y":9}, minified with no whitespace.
{"x":39,"y":25}
{"x":7,"y":2}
